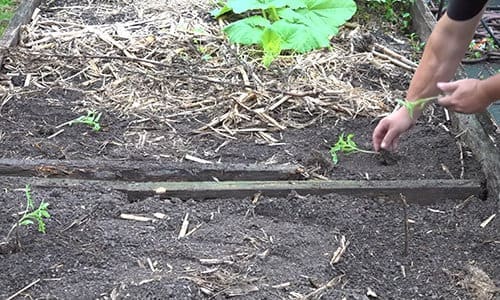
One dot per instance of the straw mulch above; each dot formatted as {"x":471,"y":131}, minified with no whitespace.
{"x":170,"y":63}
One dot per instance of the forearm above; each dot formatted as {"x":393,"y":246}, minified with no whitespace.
{"x":442,"y":55}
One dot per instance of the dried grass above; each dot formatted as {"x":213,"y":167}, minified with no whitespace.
{"x":166,"y":62}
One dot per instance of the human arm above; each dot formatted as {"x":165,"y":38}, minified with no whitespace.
{"x":442,"y":55}
{"x":470,"y":95}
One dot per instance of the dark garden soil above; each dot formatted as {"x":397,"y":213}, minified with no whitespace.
{"x":277,"y":248}
{"x":205,"y":99}
{"x":427,"y":152}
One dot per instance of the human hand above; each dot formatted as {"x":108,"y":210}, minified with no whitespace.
{"x":389,"y":129}
{"x":464,"y":96}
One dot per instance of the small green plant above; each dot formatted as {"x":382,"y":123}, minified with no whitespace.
{"x":416,"y":44}
{"x":277,"y":25}
{"x":416,"y":104}
{"x":32,"y":215}
{"x":346,"y":145}
{"x":92,"y":119}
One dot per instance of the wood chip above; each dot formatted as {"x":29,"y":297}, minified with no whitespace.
{"x":184,"y":226}
{"x":135,"y":218}
{"x":197,"y":159}
{"x":487,"y":221}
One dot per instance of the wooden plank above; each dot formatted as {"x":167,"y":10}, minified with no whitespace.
{"x":22,"y":16}
{"x":473,"y":126}
{"x":147,"y":170}
{"x":423,"y":20}
{"x":416,"y":191}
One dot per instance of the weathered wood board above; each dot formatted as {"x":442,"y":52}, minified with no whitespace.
{"x":416,"y":191}
{"x":22,"y":16}
{"x":148,"y":171}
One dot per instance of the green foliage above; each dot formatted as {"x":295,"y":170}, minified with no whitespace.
{"x":7,"y":8}
{"x":416,"y":44}
{"x":394,"y":11}
{"x":32,"y":215}
{"x":277,"y":25}
{"x":92,"y":119}
{"x":345,"y":145}
{"x":416,"y":104}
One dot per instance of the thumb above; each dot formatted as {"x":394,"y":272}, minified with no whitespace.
{"x":447,"y":87}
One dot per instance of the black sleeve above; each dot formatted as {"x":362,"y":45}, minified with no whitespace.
{"x":461,"y":10}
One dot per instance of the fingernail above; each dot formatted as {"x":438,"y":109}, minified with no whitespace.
{"x":383,"y":146}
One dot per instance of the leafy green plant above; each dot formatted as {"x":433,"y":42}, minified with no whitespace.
{"x":92,"y":119}
{"x":416,"y":44}
{"x":346,"y":145}
{"x":32,"y":215}
{"x":277,"y":25}
{"x":416,"y":104}
{"x":394,"y":11}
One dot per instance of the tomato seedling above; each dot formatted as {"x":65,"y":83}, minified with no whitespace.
{"x":32,"y":215}
{"x":92,"y":119}
{"x":416,"y":104}
{"x":29,"y":217}
{"x":346,"y":145}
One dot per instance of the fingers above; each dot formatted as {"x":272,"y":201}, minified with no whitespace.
{"x":385,"y":136}
{"x":390,"y":140}
{"x":448,"y":87}
{"x":379,"y":134}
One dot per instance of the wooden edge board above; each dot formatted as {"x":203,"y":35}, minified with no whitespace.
{"x":475,"y":136}
{"x":416,"y":191}
{"x":148,"y":171}
{"x":21,"y":16}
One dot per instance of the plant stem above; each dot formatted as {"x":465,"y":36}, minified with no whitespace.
{"x":368,"y":151}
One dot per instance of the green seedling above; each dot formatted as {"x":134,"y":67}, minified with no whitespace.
{"x":92,"y":119}
{"x":417,"y":104}
{"x":277,"y":25}
{"x":29,"y":217}
{"x":32,"y":215}
{"x":346,"y":145}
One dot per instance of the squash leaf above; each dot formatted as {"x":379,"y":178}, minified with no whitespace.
{"x":247,"y":31}
{"x":240,"y":6}
{"x":271,"y":42}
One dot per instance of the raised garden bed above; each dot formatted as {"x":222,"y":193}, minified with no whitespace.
{"x":210,"y":176}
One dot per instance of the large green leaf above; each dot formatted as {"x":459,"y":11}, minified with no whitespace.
{"x":326,"y":15}
{"x":271,"y":43}
{"x":240,"y":6}
{"x":300,"y":37}
{"x":247,"y":31}
{"x":217,"y":12}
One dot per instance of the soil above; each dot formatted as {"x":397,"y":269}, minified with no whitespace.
{"x":89,"y":252}
{"x":427,"y":152}
{"x":259,"y":248}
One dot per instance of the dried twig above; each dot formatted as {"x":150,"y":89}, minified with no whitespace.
{"x":405,"y":225}
{"x":340,"y":251}
{"x":316,"y":294}
{"x":23,"y":289}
